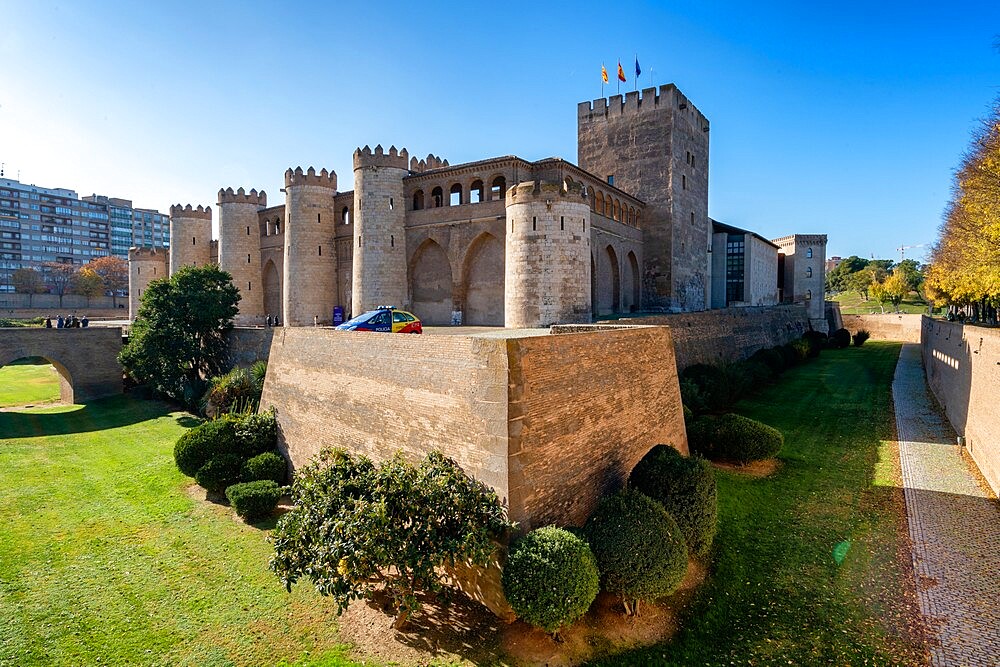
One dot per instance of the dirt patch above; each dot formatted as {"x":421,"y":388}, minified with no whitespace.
{"x":758,"y":469}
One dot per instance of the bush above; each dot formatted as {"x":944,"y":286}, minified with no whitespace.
{"x":860,"y":337}
{"x":236,"y":392}
{"x":254,"y":500}
{"x":640,"y":550}
{"x":816,"y":341}
{"x":802,"y":350}
{"x":685,"y":486}
{"x":256,"y":433}
{"x":792,"y":355}
{"x":550,"y":578}
{"x":692,"y":396}
{"x":772,"y":358}
{"x":200,"y":444}
{"x":701,"y":433}
{"x":220,"y":472}
{"x":713,"y":384}
{"x":744,"y":440}
{"x":356,"y":529}
{"x":755,"y":373}
{"x":269,"y":465}
{"x":840,"y":339}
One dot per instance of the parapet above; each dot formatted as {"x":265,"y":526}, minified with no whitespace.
{"x":430,"y":162}
{"x":545,"y":191}
{"x":324,"y":179}
{"x":365,"y":157}
{"x":200,"y":213}
{"x":140,"y":254}
{"x":633,"y":102}
{"x":241,"y":196}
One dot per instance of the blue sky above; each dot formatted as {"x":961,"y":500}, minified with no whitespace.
{"x":839,"y":118}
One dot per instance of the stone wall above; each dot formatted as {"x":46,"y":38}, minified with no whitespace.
{"x":904,"y":328}
{"x":249,"y":344}
{"x":731,"y":334}
{"x":963,"y":372}
{"x":86,"y":359}
{"x":50,"y":303}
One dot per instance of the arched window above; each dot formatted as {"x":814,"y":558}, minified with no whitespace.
{"x":617,"y":211}
{"x":476,"y":192}
{"x":418,"y":200}
{"x":599,"y":204}
{"x":608,"y":207}
{"x":455,"y":195}
{"x":809,"y":253}
{"x":345,"y":215}
{"x":809,"y":294}
{"x":277,"y":225}
{"x":809,"y":272}
{"x":437,"y":197}
{"x":498,"y":188}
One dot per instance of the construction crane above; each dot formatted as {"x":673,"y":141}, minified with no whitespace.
{"x":902,"y":250}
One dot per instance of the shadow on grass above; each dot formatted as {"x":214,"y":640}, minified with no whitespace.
{"x":98,"y":415}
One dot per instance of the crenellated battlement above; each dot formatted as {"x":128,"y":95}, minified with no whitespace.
{"x":324,"y":179}
{"x":201,"y":212}
{"x":430,"y":162}
{"x":649,"y":100}
{"x":139,"y":254}
{"x":241,"y":196}
{"x":366,"y":157}
{"x":545,"y":191}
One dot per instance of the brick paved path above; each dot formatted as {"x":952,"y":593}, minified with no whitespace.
{"x":954,"y":526}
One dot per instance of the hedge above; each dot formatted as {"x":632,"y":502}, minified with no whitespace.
{"x":741,"y":439}
{"x":269,"y":465}
{"x":840,"y":339}
{"x":550,"y":578}
{"x":685,"y":486}
{"x":198,"y":445}
{"x":254,"y":500}
{"x":220,"y":472}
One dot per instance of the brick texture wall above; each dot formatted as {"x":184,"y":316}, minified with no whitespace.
{"x":904,"y":328}
{"x":963,"y":371}
{"x":87,"y":359}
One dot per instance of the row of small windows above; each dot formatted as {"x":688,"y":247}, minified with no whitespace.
{"x":477,"y":194}
{"x":613,"y":208}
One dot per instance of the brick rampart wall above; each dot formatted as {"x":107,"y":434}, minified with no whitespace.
{"x":249,"y":344}
{"x":904,"y":328}
{"x":963,"y":371}
{"x":715,"y":336}
{"x":87,"y":359}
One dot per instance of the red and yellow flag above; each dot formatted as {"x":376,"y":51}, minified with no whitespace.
{"x":621,"y":72}
{"x":604,"y":74}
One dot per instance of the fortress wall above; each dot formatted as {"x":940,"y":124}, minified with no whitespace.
{"x":905,"y":328}
{"x":731,"y":334}
{"x":963,"y":372}
{"x":248,"y":344}
{"x":585,"y":407}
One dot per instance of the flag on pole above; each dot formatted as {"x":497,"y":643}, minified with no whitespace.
{"x":637,"y":70}
{"x":604,"y":74}
{"x":621,"y":72}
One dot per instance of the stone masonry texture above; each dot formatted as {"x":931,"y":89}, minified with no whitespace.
{"x":890,"y":326}
{"x":954,"y":526}
{"x":86,"y":359}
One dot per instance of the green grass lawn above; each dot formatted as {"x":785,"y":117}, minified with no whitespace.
{"x":107,"y":558}
{"x":805,"y":567}
{"x":24,"y":384}
{"x":851,"y":303}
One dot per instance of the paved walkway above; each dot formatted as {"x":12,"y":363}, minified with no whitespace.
{"x":954,"y":526}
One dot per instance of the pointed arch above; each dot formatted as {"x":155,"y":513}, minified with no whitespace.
{"x":482,"y":286}
{"x":608,"y":282}
{"x":631,"y":287}
{"x":271,"y":279}
{"x":430,"y":281}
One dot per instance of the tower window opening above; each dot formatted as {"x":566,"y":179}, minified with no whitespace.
{"x":809,"y":272}
{"x":248,"y":258}
{"x":418,"y":200}
{"x":455,"y":195}
{"x":562,"y":223}
{"x":192,"y":240}
{"x":684,"y":182}
{"x":611,"y":179}
{"x":248,"y":231}
{"x":318,"y":218}
{"x":249,"y":285}
{"x":511,"y":226}
{"x":584,"y":224}
{"x":692,"y":217}
{"x":809,"y":253}
{"x":392,"y":241}
{"x":534,"y":224}
{"x":359,"y":241}
{"x":320,"y":251}
{"x":390,"y":203}
{"x":498,"y":187}
{"x":277,"y":226}
{"x":345,"y":215}
{"x":437,"y":197}
{"x":476,"y":192}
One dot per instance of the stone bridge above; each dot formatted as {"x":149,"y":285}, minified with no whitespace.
{"x":86,"y":359}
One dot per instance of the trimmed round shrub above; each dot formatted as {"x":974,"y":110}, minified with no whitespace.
{"x":745,"y":440}
{"x":220,"y":472}
{"x":713,"y":383}
{"x":685,"y":486}
{"x":269,"y":465}
{"x":754,"y":374}
{"x":198,"y":445}
{"x":550,"y":578}
{"x":860,"y":337}
{"x":772,"y":358}
{"x":840,"y":339}
{"x":254,"y":500}
{"x":816,"y":340}
{"x":701,"y":434}
{"x":640,"y":551}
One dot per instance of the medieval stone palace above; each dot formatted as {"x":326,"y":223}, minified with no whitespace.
{"x":501,"y":241}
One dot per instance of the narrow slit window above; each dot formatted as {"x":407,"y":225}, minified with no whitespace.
{"x":392,"y":241}
{"x":248,"y":231}
{"x":248,"y":258}
{"x":390,"y":203}
{"x":359,"y":241}
{"x":684,"y":182}
{"x":192,"y":240}
{"x":534,"y":224}
{"x":320,"y":251}
{"x":318,"y":218}
{"x":249,"y":286}
{"x":562,"y":222}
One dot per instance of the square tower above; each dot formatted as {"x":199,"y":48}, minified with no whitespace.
{"x":655,"y":147}
{"x":802,"y":274}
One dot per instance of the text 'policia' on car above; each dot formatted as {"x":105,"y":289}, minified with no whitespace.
{"x":385,"y":319}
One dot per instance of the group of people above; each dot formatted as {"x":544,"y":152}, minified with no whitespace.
{"x":68,"y":322}
{"x":273,"y":321}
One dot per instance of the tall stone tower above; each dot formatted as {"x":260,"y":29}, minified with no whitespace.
{"x":309,"y":285}
{"x":547,"y":256}
{"x":239,"y":249}
{"x":802,"y":274}
{"x":655,"y":146}
{"x":144,"y":266}
{"x":379,"y":263}
{"x":190,"y":236}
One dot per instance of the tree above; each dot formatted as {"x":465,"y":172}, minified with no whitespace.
{"x":59,"y":277}
{"x":356,"y":530}
{"x":87,"y":283}
{"x":896,"y":288}
{"x":28,"y":281}
{"x":836,"y":280}
{"x":114,"y":272}
{"x":912,"y":273}
{"x":178,"y":339}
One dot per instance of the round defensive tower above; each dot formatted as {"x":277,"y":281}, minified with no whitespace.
{"x":239,"y":249}
{"x":379,"y":267}
{"x":309,"y":287}
{"x":144,"y":266}
{"x":190,"y":236}
{"x":547,"y":255}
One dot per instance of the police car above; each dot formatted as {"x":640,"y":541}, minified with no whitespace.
{"x":384,"y":319}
